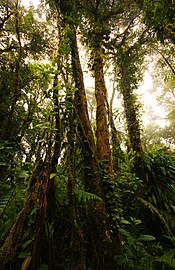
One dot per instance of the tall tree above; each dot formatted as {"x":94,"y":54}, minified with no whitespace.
{"x":98,"y":30}
{"x":97,"y":215}
{"x":72,"y":204}
{"x":129,"y":51}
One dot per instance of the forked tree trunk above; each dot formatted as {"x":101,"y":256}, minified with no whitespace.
{"x":100,"y":247}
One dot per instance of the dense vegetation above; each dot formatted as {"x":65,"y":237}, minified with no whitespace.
{"x":85,"y":184}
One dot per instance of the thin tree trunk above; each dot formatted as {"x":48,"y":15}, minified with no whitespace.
{"x":117,"y":152}
{"x":57,"y":145}
{"x":16,"y":91}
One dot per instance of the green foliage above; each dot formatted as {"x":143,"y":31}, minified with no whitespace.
{"x":60,"y":182}
{"x":121,"y":194}
{"x":13,"y":185}
{"x":4,"y":201}
{"x":159,"y":16}
{"x":29,"y":106}
{"x":160,"y":173}
{"x":114,"y":202}
{"x":10,"y":205}
{"x":43,"y":267}
{"x":139,"y":251}
{"x":84,"y":196}
{"x":61,"y":189}
{"x":157,"y":213}
{"x":167,"y":259}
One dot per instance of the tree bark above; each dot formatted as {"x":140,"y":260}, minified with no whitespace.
{"x":100,"y":247}
{"x":13,"y":241}
{"x":102,"y":132}
{"x":117,"y":153}
{"x":93,"y":177}
{"x":133,"y":125}
{"x":127,"y":83}
{"x":77,"y":235}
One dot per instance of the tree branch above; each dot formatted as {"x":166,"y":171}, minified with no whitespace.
{"x":167,"y":62}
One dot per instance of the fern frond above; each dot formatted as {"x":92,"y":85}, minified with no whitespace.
{"x":5,"y":201}
{"x":157,"y":213}
{"x":167,"y":259}
{"x":84,"y":196}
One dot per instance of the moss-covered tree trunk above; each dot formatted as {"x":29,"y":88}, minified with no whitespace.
{"x":11,"y":245}
{"x":129,"y":78}
{"x":102,"y":131}
{"x":13,"y":241}
{"x":93,"y":177}
{"x":77,"y":242}
{"x":100,"y":248}
{"x":131,"y":113}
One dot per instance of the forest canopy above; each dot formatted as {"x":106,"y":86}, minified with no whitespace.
{"x":87,"y":173}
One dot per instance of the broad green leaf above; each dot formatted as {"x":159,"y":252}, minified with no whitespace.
{"x":52,"y":175}
{"x":3,"y":163}
{"x":22,"y":174}
{"x":124,"y":232}
{"x":33,"y":211}
{"x":146,"y":237}
{"x":24,"y":254}
{"x":28,"y":242}
{"x":124,"y":221}
{"x":137,"y":222}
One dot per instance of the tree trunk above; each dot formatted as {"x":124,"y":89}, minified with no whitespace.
{"x":58,"y":133}
{"x":100,"y":246}
{"x":127,"y":84}
{"x":43,"y":183}
{"x":14,"y":239}
{"x":93,"y":177}
{"x":102,"y":132}
{"x":77,"y":242}
{"x":117,"y":153}
{"x":132,"y":121}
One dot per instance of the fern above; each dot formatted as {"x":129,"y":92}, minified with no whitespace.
{"x":167,"y":259}
{"x":84,"y":196}
{"x":156,"y":212}
{"x":4,"y":202}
